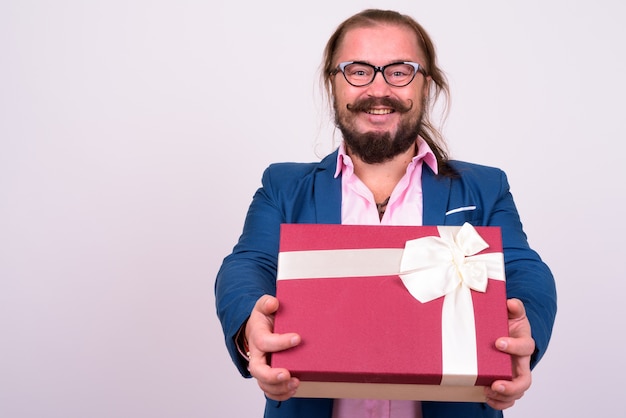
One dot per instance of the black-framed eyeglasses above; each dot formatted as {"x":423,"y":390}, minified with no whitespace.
{"x":397,"y":74}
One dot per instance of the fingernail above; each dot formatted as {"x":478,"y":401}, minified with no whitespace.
{"x":500,"y":388}
{"x":281,"y":376}
{"x":502,"y":344}
{"x":294,"y":340}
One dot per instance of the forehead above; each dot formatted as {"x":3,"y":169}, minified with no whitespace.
{"x":379,"y":45}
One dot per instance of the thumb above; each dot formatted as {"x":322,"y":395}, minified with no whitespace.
{"x":267,"y":304}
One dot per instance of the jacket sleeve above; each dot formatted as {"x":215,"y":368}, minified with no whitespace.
{"x":249,"y":272}
{"x":528,"y":278}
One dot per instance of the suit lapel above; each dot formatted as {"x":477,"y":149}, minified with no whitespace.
{"x":327,"y":192}
{"x":435,"y":196}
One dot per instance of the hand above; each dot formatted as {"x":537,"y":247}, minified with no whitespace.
{"x":502,"y":394}
{"x":277,"y":383}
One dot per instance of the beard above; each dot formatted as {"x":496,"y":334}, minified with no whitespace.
{"x":378,"y":147}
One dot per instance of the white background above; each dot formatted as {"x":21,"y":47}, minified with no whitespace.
{"x":134,"y":133}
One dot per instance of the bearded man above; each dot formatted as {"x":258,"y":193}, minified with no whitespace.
{"x":381,"y":75}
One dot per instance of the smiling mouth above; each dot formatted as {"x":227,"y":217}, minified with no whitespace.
{"x":379,"y":111}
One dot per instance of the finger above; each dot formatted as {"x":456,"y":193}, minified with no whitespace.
{"x":503,"y":394}
{"x":264,"y":340}
{"x":510,"y":389}
{"x":260,"y":329}
{"x":277,"y":383}
{"x":271,"y":343}
{"x":258,"y":353}
{"x":267,"y":305}
{"x":263,"y":372}
{"x":523,"y":346}
{"x":499,"y":400}
{"x":516,"y":308}
{"x":500,"y":404}
{"x":282,"y":390}
{"x":520,"y":341}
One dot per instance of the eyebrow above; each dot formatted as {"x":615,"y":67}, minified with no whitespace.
{"x":390,"y":62}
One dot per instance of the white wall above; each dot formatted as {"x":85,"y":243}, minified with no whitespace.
{"x":133,"y":135}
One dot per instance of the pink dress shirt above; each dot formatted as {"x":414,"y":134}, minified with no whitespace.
{"x":404,"y":208}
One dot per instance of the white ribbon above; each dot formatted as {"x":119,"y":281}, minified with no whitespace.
{"x":449,"y":266}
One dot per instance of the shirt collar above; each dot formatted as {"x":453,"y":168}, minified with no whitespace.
{"x":424,"y":153}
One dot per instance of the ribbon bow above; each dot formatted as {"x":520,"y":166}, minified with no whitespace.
{"x":432,"y":267}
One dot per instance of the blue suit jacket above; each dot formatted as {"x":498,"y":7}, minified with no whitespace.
{"x":309,"y":193}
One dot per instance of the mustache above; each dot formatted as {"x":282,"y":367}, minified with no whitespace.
{"x":366,"y":104}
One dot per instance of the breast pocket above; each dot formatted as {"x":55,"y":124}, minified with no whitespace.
{"x":460,"y":215}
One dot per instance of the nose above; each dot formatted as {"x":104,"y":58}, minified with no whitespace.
{"x":379,"y":86}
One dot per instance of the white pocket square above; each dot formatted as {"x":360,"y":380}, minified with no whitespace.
{"x":461,"y":209}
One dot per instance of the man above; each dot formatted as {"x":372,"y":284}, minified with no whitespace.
{"x":382,"y":78}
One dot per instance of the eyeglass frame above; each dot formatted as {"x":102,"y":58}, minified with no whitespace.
{"x":417,"y":68}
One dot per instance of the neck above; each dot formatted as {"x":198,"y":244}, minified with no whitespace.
{"x":381,"y":178}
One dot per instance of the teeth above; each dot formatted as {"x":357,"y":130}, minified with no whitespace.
{"x":379,"y":111}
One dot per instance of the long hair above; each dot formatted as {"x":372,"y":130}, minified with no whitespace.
{"x":439,"y":85}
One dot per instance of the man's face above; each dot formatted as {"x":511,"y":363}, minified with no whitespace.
{"x":379,"y":121}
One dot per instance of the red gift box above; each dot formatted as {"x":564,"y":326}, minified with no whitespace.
{"x":392,"y":312}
